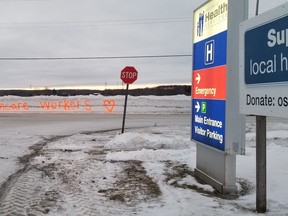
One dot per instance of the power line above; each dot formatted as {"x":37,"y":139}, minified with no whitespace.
{"x":91,"y":58}
{"x":23,"y":0}
{"x":38,"y":25}
{"x":99,"y":21}
{"x":89,"y":25}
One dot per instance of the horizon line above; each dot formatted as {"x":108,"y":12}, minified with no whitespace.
{"x":99,"y":87}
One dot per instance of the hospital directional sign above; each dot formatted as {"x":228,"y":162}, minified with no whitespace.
{"x":209,"y":74}
{"x":217,"y":127}
{"x":208,"y":124}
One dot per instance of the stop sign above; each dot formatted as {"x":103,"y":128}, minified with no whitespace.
{"x":128,"y":75}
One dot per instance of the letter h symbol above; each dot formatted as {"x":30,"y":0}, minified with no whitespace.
{"x":209,"y":52}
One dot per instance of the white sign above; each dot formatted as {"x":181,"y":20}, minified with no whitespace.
{"x":212,"y":15}
{"x":264,"y":64}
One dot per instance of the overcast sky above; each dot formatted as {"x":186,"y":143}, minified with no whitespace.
{"x":97,"y":28}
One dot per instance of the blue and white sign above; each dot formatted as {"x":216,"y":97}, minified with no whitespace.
{"x":209,"y":122}
{"x":210,"y":52}
{"x":264,"y":64}
{"x":266,"y":52}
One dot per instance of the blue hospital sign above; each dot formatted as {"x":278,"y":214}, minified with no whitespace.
{"x":204,"y":52}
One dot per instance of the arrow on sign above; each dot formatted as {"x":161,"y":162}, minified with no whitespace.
{"x":197,"y":107}
{"x":198,"y":78}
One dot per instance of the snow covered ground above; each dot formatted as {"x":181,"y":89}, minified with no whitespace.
{"x":79,"y":164}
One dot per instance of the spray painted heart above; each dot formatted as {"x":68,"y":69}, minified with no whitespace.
{"x":109,"y":105}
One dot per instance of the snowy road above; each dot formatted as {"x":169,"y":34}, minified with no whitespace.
{"x":60,"y":123}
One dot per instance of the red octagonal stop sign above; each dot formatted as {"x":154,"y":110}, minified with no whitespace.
{"x":128,"y":75}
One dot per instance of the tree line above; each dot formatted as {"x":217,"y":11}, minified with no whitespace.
{"x":157,"y":91}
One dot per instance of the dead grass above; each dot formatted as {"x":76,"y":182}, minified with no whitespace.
{"x":133,"y":185}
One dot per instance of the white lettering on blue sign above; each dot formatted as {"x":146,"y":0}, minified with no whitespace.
{"x":283,"y":62}
{"x":200,"y":131}
{"x":209,"y":133}
{"x":263,"y":67}
{"x":209,"y":52}
{"x":214,"y":135}
{"x":208,"y":121}
{"x":277,"y":37}
{"x":276,"y":64}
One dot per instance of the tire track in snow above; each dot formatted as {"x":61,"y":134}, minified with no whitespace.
{"x":68,"y":175}
{"x":20,"y":195}
{"x":65,"y":176}
{"x":80,"y":192}
{"x":16,"y":193}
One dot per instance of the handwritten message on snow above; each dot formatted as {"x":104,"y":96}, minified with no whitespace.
{"x":59,"y":105}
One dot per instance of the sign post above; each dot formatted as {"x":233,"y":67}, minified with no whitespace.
{"x":261,"y":166}
{"x":217,"y":127}
{"x":264,"y":81}
{"x":128,"y":75}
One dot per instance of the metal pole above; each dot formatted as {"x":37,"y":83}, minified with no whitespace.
{"x":257,"y":7}
{"x":125,"y":105}
{"x":261,"y":182}
{"x":261,"y":158}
